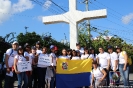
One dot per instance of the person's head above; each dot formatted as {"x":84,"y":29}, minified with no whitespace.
{"x":78,"y":46}
{"x":38,"y":44}
{"x":52,"y":48}
{"x":86,"y":51}
{"x":74,"y":53}
{"x":27,"y":47}
{"x":118,"y":49}
{"x":64,"y":52}
{"x":44,"y":50}
{"x":69,"y":52}
{"x":110,"y":49}
{"x":15,"y":45}
{"x":78,"y":53}
{"x":91,"y":50}
{"x":94,"y":64}
{"x":33,"y":49}
{"x":20,"y":50}
{"x":101,"y":50}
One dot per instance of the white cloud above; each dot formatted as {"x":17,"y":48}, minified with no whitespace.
{"x":128,"y":18}
{"x":39,"y":18}
{"x":47,"y":4}
{"x":7,"y":8}
{"x":22,"y":5}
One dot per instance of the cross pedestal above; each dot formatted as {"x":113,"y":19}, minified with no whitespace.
{"x":73,"y":17}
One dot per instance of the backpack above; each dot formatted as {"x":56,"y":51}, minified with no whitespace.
{"x":3,"y":63}
{"x":129,"y":60}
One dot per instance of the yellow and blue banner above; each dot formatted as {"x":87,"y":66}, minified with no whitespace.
{"x":73,"y":73}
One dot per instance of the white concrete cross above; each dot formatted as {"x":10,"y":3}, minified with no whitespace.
{"x":73,"y":17}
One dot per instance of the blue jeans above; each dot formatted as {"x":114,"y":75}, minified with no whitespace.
{"x":124,"y":74}
{"x":22,"y":77}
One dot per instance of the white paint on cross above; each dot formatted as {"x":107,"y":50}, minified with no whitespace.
{"x":73,"y":17}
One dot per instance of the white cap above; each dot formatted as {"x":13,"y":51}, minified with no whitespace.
{"x":52,"y":46}
{"x":15,"y":42}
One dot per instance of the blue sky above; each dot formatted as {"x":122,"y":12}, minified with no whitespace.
{"x":16,"y":14}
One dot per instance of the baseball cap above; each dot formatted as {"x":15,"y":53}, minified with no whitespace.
{"x":55,"y":48}
{"x":38,"y":42}
{"x":52,"y":46}
{"x":20,"y":47}
{"x":91,"y":48}
{"x":110,"y":47}
{"x":117,"y":47}
{"x":33,"y":47}
{"x":26,"y":45}
{"x":15,"y":42}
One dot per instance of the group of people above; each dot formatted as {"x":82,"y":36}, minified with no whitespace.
{"x":41,"y":75}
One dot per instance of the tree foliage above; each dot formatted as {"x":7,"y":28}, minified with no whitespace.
{"x":102,"y":41}
{"x":45,"y":39}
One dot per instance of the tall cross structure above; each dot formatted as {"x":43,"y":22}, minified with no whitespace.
{"x":73,"y":17}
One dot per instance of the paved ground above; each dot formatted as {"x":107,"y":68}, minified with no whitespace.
{"x":130,"y":80}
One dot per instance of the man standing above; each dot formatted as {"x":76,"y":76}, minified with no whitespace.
{"x":114,"y":59}
{"x":9,"y":61}
{"x":103,"y":60}
{"x":79,"y":48}
{"x":114,"y":63}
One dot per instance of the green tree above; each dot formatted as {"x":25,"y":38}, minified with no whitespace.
{"x":30,"y":38}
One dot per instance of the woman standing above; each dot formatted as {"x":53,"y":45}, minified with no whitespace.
{"x":69,"y":53}
{"x":34,"y":66}
{"x":42,"y":68}
{"x":74,"y":55}
{"x":93,"y":54}
{"x":53,"y":56}
{"x":22,"y":76}
{"x":98,"y":75}
{"x":27,"y":51}
{"x":64,"y":54}
{"x":86,"y":54}
{"x":123,"y":65}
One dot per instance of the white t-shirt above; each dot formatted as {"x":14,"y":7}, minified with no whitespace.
{"x":86,"y":56}
{"x":20,"y":58}
{"x":11,"y":57}
{"x":42,"y":55}
{"x":121,"y":57}
{"x":93,"y":57}
{"x":26,"y":54}
{"x":103,"y":59}
{"x":113,"y":57}
{"x":32,"y":56}
{"x":54,"y":58}
{"x":64,"y":57}
{"x":69,"y":56}
{"x":38,"y":51}
{"x":75,"y":58}
{"x":81,"y":51}
{"x":97,"y":73}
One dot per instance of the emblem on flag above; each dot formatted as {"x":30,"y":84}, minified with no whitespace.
{"x":64,"y":66}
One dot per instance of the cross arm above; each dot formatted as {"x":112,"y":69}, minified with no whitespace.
{"x":54,"y":19}
{"x":88,"y":15}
